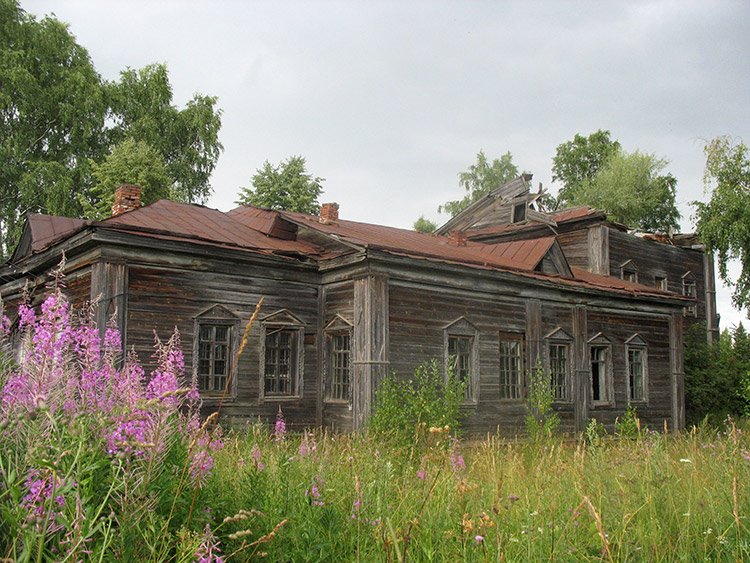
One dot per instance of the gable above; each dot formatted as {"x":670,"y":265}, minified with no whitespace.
{"x":461,"y":326}
{"x":217,"y":312}
{"x":282,"y":317}
{"x":554,"y":262}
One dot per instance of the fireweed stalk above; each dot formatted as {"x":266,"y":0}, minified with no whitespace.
{"x":67,"y":392}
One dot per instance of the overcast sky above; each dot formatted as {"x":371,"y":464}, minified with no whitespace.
{"x":389,"y":101}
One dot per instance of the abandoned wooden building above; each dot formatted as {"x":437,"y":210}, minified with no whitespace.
{"x":501,"y":288}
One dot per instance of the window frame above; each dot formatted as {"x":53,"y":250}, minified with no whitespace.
{"x":559,"y":337}
{"x":602,"y":342}
{"x":462,"y":328}
{"x":688,"y":281}
{"x":338,"y":326}
{"x":215,"y":316}
{"x":661,"y":282}
{"x":636,"y":344}
{"x":507,"y":337}
{"x":629,"y":270}
{"x":283,"y":320}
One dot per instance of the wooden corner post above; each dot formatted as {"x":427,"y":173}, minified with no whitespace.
{"x":370,"y":347}
{"x":581,"y":377}
{"x":676,"y":355}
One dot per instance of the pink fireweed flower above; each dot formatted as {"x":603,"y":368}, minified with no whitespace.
{"x":279,"y":429}
{"x":457,"y":460}
{"x":357,"y":504}
{"x":43,"y":500}
{"x":307,"y":445}
{"x":421,"y":474}
{"x":209,"y":550}
{"x":478,"y":538}
{"x":4,"y":324}
{"x":202,"y":460}
{"x":313,"y":493}
{"x":257,"y":458}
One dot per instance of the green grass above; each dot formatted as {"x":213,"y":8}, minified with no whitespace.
{"x":655,"y":498}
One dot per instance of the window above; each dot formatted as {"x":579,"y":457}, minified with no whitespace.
{"x":637,"y":367}
{"x":600,"y":351}
{"x":214,"y":352}
{"x":519,"y":212}
{"x":689,"y":290}
{"x":338,"y":360}
{"x":660,"y":282}
{"x":629,"y":272}
{"x":215,"y":333}
{"x":559,"y":363}
{"x":282,"y":355}
{"x":462,"y":356}
{"x":511,"y":366}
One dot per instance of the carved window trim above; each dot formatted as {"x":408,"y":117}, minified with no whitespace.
{"x":559,"y":341}
{"x":636,"y":346}
{"x":661,"y":282}
{"x":600,"y":353}
{"x":333,"y":332}
{"x":274,"y":327}
{"x":213,"y":318}
{"x":457,"y":331}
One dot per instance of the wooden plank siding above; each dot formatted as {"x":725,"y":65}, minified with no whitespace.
{"x":653,"y":259}
{"x":338,"y":300}
{"x":160,"y":300}
{"x":575,"y":244}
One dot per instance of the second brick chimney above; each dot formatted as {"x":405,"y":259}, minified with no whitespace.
{"x":458,"y":238}
{"x":127,"y":198}
{"x":329,"y":212}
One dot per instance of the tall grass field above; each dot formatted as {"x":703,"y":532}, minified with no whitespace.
{"x":102,"y":462}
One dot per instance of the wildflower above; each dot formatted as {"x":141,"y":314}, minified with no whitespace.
{"x":457,"y":460}
{"x":357,"y":504}
{"x":257,"y":455}
{"x":307,"y":445}
{"x":421,"y":474}
{"x":513,"y":498}
{"x":43,"y":500}
{"x":209,"y":550}
{"x":279,"y":429}
{"x":478,"y":538}
{"x":313,"y":493}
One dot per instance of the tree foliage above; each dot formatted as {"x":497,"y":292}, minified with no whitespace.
{"x":287,"y":186}
{"x":424,"y":225}
{"x":723,"y":224}
{"x":715,"y":373}
{"x":481,"y":178}
{"x":579,"y":160}
{"x":58,"y":117}
{"x":630,"y":188}
{"x":130,"y":162}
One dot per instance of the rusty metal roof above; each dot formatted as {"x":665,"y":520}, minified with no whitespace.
{"x":171,"y":219}
{"x":46,"y":229}
{"x":515,"y":255}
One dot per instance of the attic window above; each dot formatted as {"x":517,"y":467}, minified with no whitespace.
{"x":689,"y":289}
{"x":629,"y":272}
{"x":519,"y":212}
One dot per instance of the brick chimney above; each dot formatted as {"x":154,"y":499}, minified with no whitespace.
{"x":329,"y":212}
{"x":458,"y":238}
{"x":127,"y":198}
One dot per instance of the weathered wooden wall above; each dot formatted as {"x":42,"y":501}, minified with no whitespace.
{"x":338,"y":300}
{"x":160,"y":299}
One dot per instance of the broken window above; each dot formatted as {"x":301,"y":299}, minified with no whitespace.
{"x":461,"y":356}
{"x":511,"y":366}
{"x":660,"y":282}
{"x":637,"y":368}
{"x":600,"y":352}
{"x":559,"y":363}
{"x":519,"y":212}
{"x":689,"y":290}
{"x":629,"y":272}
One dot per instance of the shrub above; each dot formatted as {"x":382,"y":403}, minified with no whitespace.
{"x":629,"y":425}
{"x":426,"y":401}
{"x":541,"y":420}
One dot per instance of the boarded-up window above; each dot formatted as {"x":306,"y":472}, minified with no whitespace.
{"x":511,"y":366}
{"x":214,"y":352}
